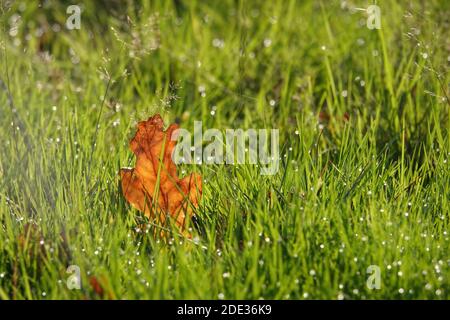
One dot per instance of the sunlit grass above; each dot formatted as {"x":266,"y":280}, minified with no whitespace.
{"x":364,"y":147}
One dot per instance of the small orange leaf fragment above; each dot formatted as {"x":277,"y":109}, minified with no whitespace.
{"x":153,"y":186}
{"x":100,"y":286}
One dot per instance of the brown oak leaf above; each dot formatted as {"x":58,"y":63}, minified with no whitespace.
{"x":153,"y":186}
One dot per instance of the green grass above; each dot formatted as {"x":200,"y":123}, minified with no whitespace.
{"x":373,"y":190}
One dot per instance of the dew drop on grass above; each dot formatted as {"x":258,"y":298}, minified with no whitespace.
{"x":218,"y":43}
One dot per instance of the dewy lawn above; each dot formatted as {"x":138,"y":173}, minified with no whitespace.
{"x":358,"y":208}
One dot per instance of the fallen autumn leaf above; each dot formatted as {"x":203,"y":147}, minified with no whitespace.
{"x":153,"y":186}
